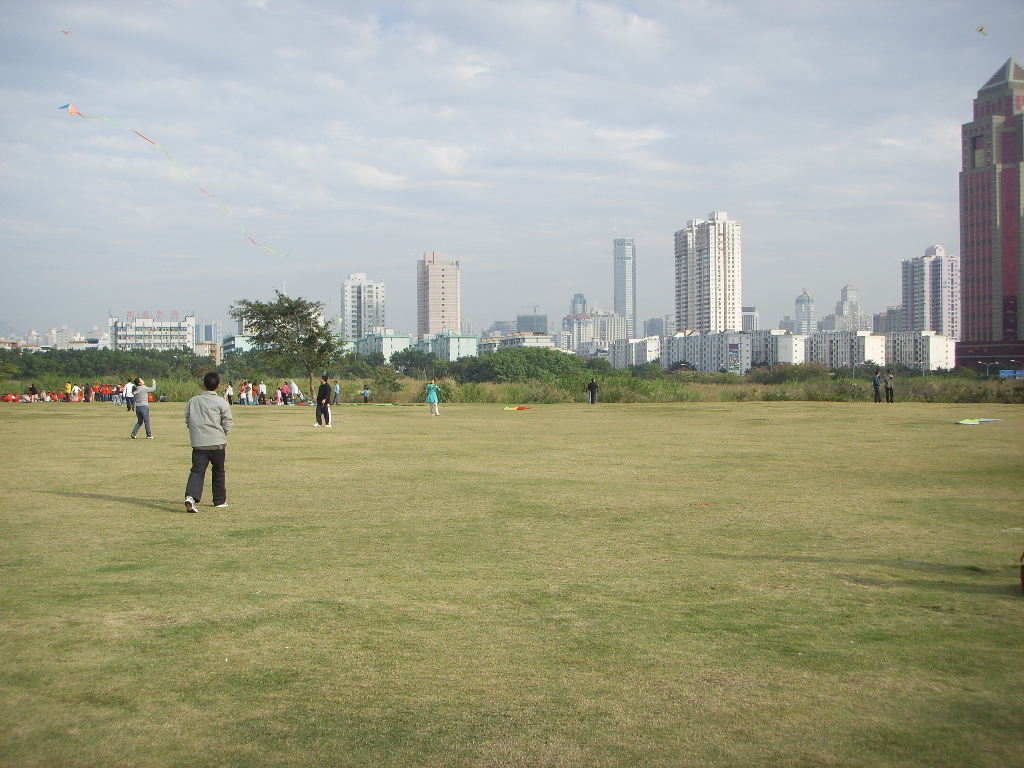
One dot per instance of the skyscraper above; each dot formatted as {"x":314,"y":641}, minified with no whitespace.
{"x":803,"y":314}
{"x":992,"y":220}
{"x":708,"y":279}
{"x":849,"y":314}
{"x":438,"y":295}
{"x":931,"y":293}
{"x":578,"y":305}
{"x":624,"y":250}
{"x":362,"y":306}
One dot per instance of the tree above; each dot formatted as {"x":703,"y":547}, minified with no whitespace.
{"x":289,"y":333}
{"x":418,"y":364}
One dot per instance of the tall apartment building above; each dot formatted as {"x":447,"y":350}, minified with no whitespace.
{"x":624,"y":251}
{"x":803,"y":314}
{"x":438,"y":295}
{"x":362,"y":306}
{"x":931,"y":293}
{"x":708,"y":275}
{"x":992,"y":221}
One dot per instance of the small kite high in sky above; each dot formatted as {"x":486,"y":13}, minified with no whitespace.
{"x":982,"y":30}
{"x":73,"y":110}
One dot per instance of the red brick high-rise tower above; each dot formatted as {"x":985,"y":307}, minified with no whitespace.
{"x":992,"y":222}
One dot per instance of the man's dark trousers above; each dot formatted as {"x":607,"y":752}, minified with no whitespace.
{"x":201,"y":458}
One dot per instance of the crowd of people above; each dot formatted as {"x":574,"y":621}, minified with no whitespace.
{"x":251,"y":393}
{"x":118,"y":393}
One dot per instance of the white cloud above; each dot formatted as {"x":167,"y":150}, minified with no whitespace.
{"x":511,"y":134}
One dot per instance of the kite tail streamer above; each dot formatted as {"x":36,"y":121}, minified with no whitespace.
{"x":74,"y":111}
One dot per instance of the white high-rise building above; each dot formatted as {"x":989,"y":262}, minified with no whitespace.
{"x":362,"y":306}
{"x":708,"y":275}
{"x":931,"y":293}
{"x":624,"y":249}
{"x":438,"y":295}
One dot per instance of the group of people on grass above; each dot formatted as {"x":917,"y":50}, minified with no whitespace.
{"x":118,"y":393}
{"x":251,"y":393}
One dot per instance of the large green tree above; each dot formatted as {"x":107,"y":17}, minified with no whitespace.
{"x":290,"y":334}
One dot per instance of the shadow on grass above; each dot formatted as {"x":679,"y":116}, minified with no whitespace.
{"x":162,"y":506}
{"x":946,"y":569}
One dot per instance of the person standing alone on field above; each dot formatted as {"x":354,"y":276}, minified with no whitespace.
{"x":876,"y":384}
{"x":337,"y":393}
{"x":323,"y":403}
{"x":432,"y":398}
{"x":592,"y":391}
{"x":208,"y":418}
{"x":142,"y":407}
{"x":889,"y":380}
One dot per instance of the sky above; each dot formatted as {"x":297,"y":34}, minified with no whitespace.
{"x":514,"y":137}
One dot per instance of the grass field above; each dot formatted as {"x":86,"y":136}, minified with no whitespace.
{"x":697,"y":584}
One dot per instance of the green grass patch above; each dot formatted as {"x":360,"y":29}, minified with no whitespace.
{"x":676,"y":584}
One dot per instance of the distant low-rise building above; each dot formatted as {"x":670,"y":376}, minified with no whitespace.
{"x":709,"y":353}
{"x":626,"y":353}
{"x":449,"y":346}
{"x":148,"y":332}
{"x":236,"y":343}
{"x":844,"y":349}
{"x":526,"y":340}
{"x":924,"y":350}
{"x":383,"y":341}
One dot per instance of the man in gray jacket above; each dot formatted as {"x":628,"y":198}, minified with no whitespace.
{"x":208,"y":418}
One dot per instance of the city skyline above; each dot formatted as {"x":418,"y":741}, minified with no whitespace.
{"x":355,"y":138}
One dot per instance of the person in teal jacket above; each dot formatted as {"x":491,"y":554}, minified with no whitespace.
{"x":432,"y":392}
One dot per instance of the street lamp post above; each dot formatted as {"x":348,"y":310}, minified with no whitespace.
{"x":987,"y":365}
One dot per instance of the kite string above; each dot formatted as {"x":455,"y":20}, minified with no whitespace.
{"x":71,"y":108}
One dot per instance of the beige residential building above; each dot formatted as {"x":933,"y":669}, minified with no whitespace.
{"x":438,"y":295}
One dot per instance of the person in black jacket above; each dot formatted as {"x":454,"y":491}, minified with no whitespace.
{"x":592,"y":391}
{"x":323,"y":403}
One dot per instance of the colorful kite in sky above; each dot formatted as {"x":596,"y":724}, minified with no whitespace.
{"x":982,"y":30}
{"x":72,"y":110}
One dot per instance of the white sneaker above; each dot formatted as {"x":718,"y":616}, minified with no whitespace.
{"x":328,"y":425}
{"x":316,"y":425}
{"x":190,"y":504}
{"x":221,"y":506}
